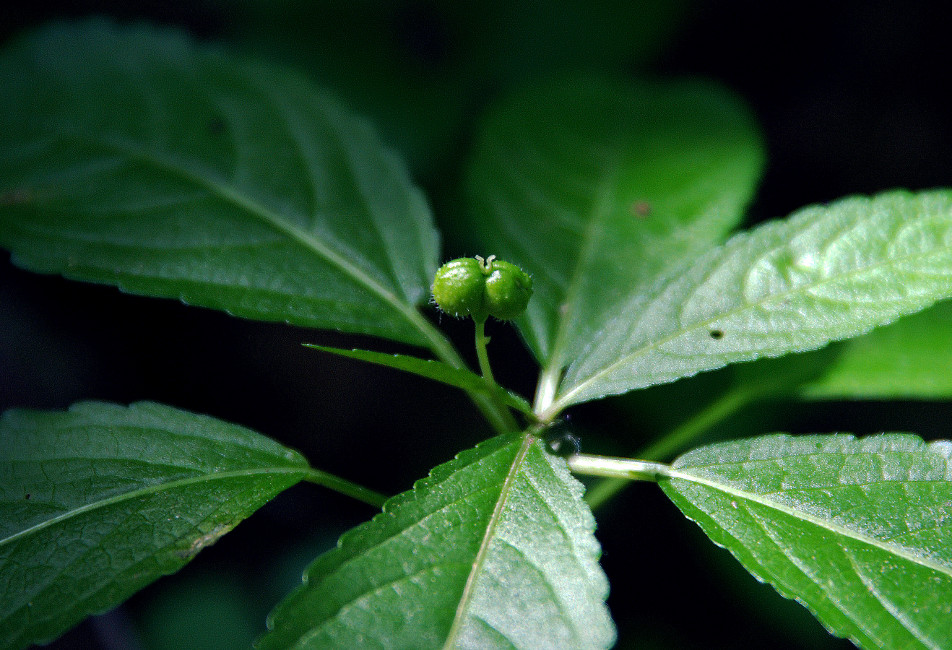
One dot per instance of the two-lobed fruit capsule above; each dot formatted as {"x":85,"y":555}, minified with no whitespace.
{"x":472,"y":286}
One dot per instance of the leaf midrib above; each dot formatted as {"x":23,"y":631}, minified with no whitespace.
{"x":436,"y":342}
{"x":598,"y":213}
{"x":812,"y":519}
{"x":354,"y":558}
{"x":565,"y":399}
{"x":250,"y":206}
{"x":272,"y":219}
{"x":481,"y":555}
{"x":152,"y":489}
{"x":594,"y":226}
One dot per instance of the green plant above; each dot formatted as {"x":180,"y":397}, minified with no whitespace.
{"x":133,"y":157}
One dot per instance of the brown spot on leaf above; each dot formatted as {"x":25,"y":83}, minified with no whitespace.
{"x":717,"y":335}
{"x":205,"y":540}
{"x":641,"y":209}
{"x":16,"y":197}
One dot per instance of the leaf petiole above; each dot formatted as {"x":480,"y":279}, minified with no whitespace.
{"x":345,"y":487}
{"x":626,"y":469}
{"x":680,"y":437}
{"x":461,"y":378}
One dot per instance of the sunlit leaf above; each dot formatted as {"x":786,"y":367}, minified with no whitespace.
{"x":493,"y":550}
{"x":858,"y":530}
{"x":826,"y":273}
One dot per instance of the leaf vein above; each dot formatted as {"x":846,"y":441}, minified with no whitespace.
{"x":845,"y":531}
{"x":171,"y":485}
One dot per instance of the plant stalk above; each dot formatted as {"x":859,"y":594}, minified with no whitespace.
{"x":547,"y":387}
{"x":625,"y":469}
{"x":497,"y":414}
{"x":345,"y":487}
{"x":481,"y":342}
{"x":724,"y":406}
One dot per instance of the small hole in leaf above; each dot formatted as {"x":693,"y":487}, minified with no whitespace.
{"x":27,"y":497}
{"x":717,"y":335}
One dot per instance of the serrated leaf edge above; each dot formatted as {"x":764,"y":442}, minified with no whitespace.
{"x":567,"y":398}
{"x":331,"y":108}
{"x":820,"y":523}
{"x":481,"y":554}
{"x":352,"y":537}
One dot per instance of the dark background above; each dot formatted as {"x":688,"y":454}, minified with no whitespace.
{"x":852,"y":99}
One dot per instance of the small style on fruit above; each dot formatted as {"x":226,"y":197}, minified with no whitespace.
{"x":477,"y":287}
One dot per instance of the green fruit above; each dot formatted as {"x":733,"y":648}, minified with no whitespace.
{"x":508,"y":289}
{"x":472,"y":286}
{"x":459,"y":288}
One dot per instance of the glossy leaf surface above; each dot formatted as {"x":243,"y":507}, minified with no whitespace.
{"x":99,"y":501}
{"x":133,"y":157}
{"x":858,"y":530}
{"x":597,"y":186}
{"x":826,"y":273}
{"x":493,"y":550}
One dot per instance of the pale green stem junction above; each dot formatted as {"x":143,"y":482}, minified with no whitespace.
{"x":724,"y":406}
{"x":624,"y":469}
{"x":547,"y":387}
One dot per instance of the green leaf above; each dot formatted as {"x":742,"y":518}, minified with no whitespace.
{"x":99,"y":501}
{"x":493,"y":549}
{"x":133,"y":157}
{"x":431,"y":369}
{"x":597,"y":186}
{"x":858,"y":530}
{"x":826,"y":273}
{"x":909,"y":359}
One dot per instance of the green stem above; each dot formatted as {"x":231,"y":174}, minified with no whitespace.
{"x":346,"y":487}
{"x":724,"y":406}
{"x":620,"y":468}
{"x":481,"y":341}
{"x":717,"y":411}
{"x":547,"y":387}
{"x":492,"y":409}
